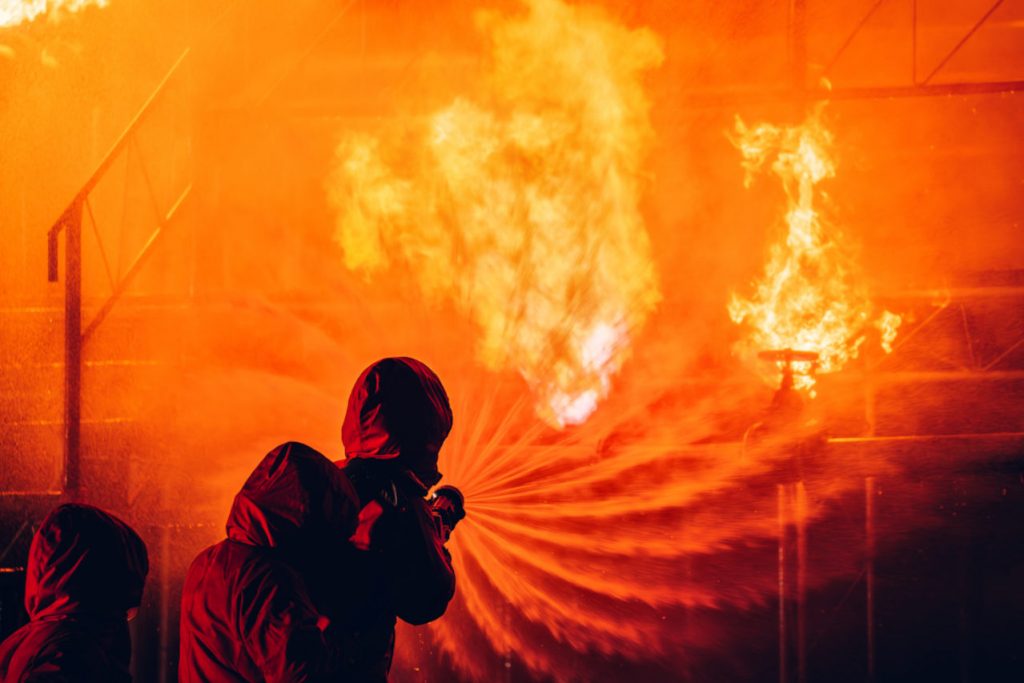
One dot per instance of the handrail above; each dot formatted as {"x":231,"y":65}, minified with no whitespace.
{"x":101,"y":168}
{"x":70,"y":221}
{"x":129,"y":275}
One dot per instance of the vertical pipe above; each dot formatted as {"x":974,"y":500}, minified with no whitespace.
{"x":801,"y":581}
{"x":869,"y":570}
{"x":164,"y":653}
{"x":73,"y":352}
{"x":782,"y":580}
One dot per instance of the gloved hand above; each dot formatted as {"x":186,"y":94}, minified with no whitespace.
{"x":448,"y":506}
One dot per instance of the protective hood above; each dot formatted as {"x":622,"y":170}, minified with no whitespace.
{"x":296,"y":499}
{"x":398,"y":410}
{"x":85,"y":562}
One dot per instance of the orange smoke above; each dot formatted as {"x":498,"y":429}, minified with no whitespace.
{"x":520,"y":206}
{"x":811,"y":296}
{"x":14,"y":12}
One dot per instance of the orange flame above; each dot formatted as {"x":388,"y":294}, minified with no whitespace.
{"x":811,"y":297}
{"x":14,"y":12}
{"x":524,"y":212}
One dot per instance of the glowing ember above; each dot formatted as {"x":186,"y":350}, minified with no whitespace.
{"x":524,"y":211}
{"x":14,"y":12}
{"x":811,"y":297}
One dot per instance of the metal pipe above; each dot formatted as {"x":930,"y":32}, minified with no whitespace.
{"x":800,"y":503}
{"x":73,"y":352}
{"x":939,"y":89}
{"x":781,"y":491}
{"x":842,"y":440}
{"x":164,"y":651}
{"x":731,"y":99}
{"x":869,"y":571}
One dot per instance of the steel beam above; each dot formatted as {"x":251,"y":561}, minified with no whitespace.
{"x":697,"y":100}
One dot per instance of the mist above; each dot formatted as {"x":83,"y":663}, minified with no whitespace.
{"x":623,"y":533}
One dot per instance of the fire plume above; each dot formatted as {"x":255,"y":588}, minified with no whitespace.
{"x":811,"y":296}
{"x":520,"y":207}
{"x":15,"y":12}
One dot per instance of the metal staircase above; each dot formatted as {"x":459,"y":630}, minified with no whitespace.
{"x":127,"y":300}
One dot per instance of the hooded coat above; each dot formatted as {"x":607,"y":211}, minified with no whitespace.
{"x":248,"y":611}
{"x":86,"y":571}
{"x":396,"y":565}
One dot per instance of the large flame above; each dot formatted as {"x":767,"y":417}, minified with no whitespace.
{"x":524,"y":211}
{"x":14,"y":12}
{"x":812,"y":296}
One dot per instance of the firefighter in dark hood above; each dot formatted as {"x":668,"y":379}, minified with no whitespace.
{"x":248,"y":610}
{"x":84,"y":580}
{"x":396,"y":564}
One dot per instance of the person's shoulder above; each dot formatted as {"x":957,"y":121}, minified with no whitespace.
{"x":208,"y":557}
{"x":64,"y":650}
{"x":223,"y":565}
{"x":257,"y":565}
{"x":236,"y":562}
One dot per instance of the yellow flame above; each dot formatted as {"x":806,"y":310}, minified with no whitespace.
{"x":523,"y":211}
{"x":811,"y":297}
{"x":14,"y":12}
{"x":888,"y":325}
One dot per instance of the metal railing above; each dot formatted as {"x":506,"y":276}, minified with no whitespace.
{"x":70,"y":223}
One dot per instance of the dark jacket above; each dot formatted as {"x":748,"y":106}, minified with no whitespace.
{"x":247,"y":610}
{"x":396,"y":564}
{"x":86,"y":570}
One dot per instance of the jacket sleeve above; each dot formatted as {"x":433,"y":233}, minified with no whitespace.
{"x":279,"y":627}
{"x":422,"y":578}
